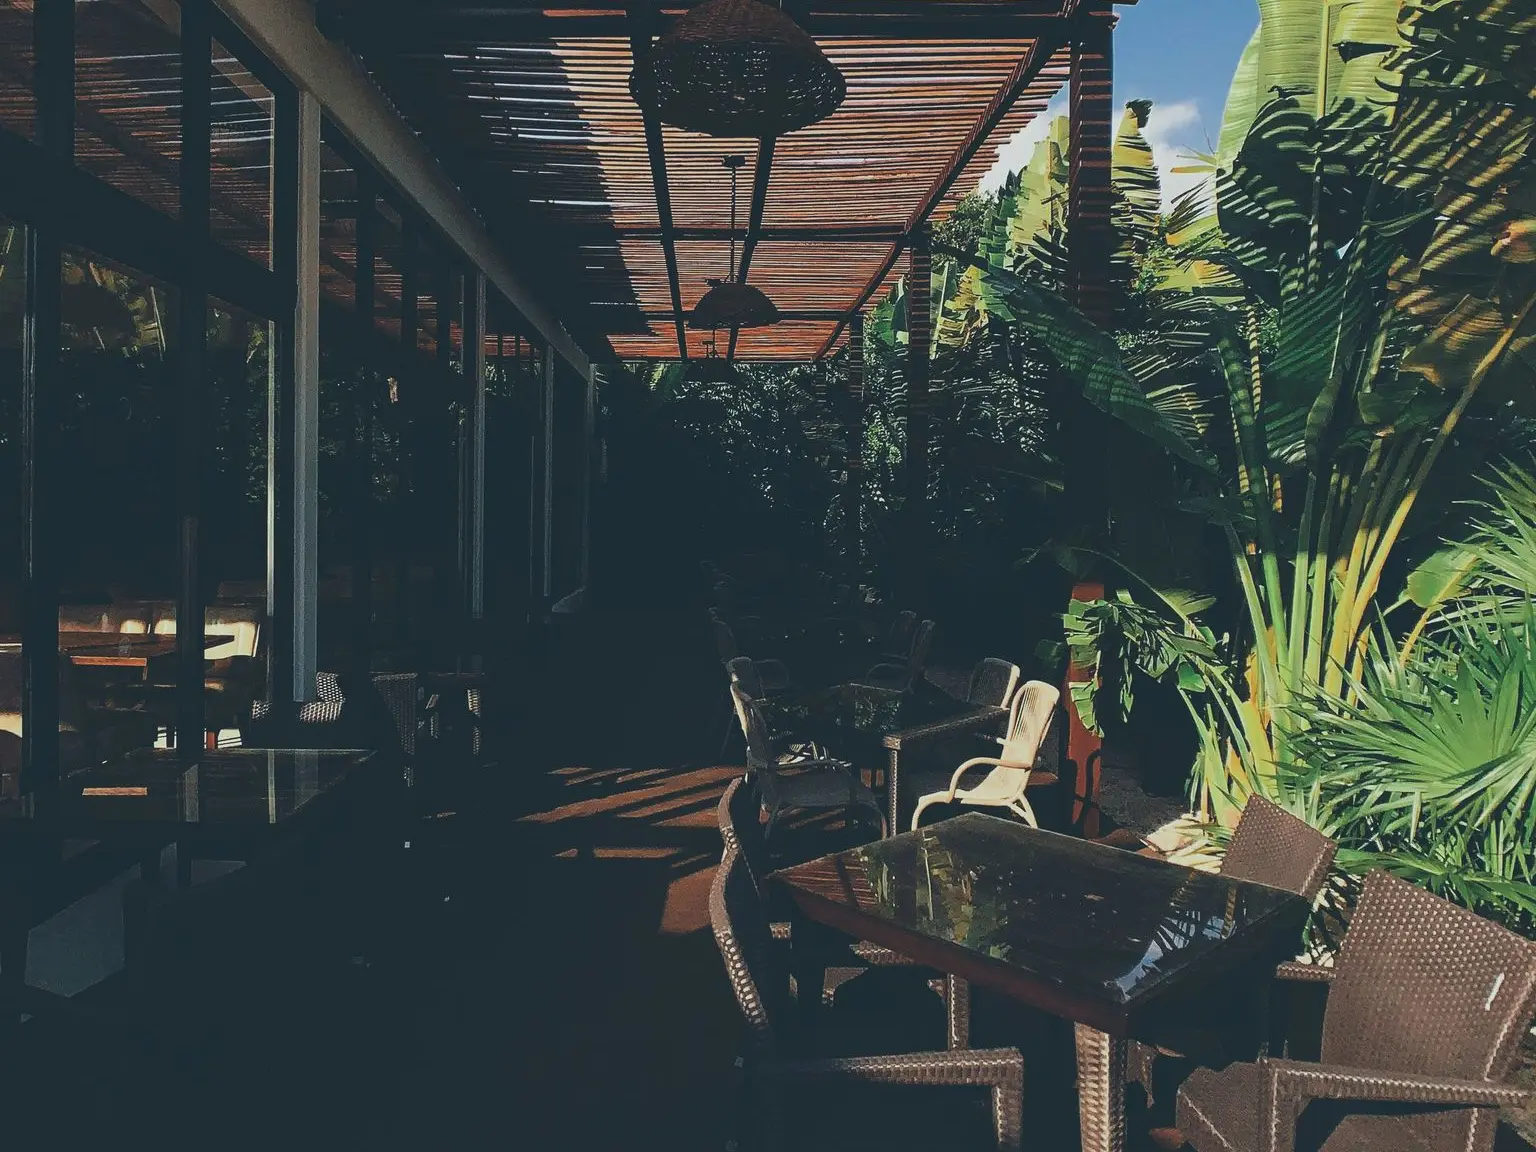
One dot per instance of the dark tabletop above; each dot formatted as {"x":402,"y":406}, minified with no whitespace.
{"x":875,"y":714}
{"x":1088,"y":932}
{"x":234,"y":788}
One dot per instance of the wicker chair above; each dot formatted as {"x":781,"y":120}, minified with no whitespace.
{"x":992,"y":682}
{"x":906,"y":676}
{"x":1269,"y":846}
{"x":742,"y":834}
{"x":805,"y":784}
{"x":1029,"y":719}
{"x":1426,"y":1005}
{"x":780,"y":1073}
{"x":897,"y":642}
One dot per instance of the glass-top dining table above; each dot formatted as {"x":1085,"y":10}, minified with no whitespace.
{"x":859,"y":722}
{"x":1104,"y":938}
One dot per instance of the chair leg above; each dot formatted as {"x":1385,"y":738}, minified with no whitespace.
{"x":1020,"y":807}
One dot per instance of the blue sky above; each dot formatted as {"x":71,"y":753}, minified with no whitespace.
{"x":1179,"y":54}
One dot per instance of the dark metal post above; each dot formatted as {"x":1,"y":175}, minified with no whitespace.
{"x":853,"y":435}
{"x":54,"y":47}
{"x":196,"y":66}
{"x":1090,"y":243}
{"x":281,"y":404}
{"x":919,"y":333}
{"x":364,"y":392}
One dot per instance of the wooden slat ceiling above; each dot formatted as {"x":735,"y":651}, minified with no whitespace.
{"x":535,"y":106}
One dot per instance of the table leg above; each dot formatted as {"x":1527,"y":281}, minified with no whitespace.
{"x":893,"y":796}
{"x":1100,"y":1090}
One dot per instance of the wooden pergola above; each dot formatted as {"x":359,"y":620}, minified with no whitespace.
{"x":529,"y":109}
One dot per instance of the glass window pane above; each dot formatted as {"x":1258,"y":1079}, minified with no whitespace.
{"x":128,"y":97}
{"x":12,"y":299}
{"x":235,"y":510}
{"x":117,"y":429}
{"x":338,"y":229}
{"x":17,"y":103}
{"x":241,"y":119}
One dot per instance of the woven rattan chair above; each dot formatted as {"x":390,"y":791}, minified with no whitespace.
{"x":1426,"y":1005}
{"x":1269,"y":846}
{"x":805,"y":784}
{"x":1012,"y":771}
{"x":992,"y":682}
{"x":906,"y":676}
{"x":742,"y":833}
{"x":780,"y":1071}
{"x":897,"y":642}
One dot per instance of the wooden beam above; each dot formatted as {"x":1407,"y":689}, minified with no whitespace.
{"x":812,"y":232}
{"x":443,"y":30}
{"x":642,"y":19}
{"x":1023,"y":75}
{"x":760,"y":175}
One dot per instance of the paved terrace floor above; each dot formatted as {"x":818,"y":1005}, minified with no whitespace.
{"x":566,"y":995}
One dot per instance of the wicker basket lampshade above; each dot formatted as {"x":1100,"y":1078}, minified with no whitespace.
{"x":728,"y":304}
{"x":737,"y":68}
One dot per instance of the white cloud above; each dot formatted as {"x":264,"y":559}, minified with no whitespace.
{"x":1173,"y":129}
{"x":1016,"y":152}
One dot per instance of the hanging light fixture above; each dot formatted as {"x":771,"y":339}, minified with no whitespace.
{"x":712,"y":368}
{"x":729,"y":303}
{"x":737,"y":68}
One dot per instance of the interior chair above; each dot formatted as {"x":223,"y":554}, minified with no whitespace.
{"x":1012,"y":770}
{"x":896,"y":645}
{"x":1426,"y":1006}
{"x":741,"y":833}
{"x":789,"y":1074}
{"x":1268,"y":846}
{"x":906,"y":676}
{"x":992,"y":682}
{"x":817,"y":783}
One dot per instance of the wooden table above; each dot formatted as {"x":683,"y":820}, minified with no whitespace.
{"x":1104,"y":938}
{"x":117,"y":649}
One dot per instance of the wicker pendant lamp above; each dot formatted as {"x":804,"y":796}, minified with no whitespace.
{"x":729,"y":303}
{"x":737,"y":68}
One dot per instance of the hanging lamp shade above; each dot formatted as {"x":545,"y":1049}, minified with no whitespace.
{"x":728,"y":304}
{"x":737,"y":68}
{"x":712,"y":369}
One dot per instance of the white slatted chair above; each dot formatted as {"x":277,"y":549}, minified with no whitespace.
{"x":1012,"y":771}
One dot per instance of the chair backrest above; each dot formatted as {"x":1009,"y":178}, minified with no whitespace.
{"x":754,"y":726}
{"x":741,"y":829}
{"x":84,"y":618}
{"x":745,"y":943}
{"x":992,"y":682}
{"x":1423,"y":986}
{"x":899,"y":636}
{"x":1029,"y":719}
{"x":1270,"y":846}
{"x":744,"y":675}
{"x":922,"y":641}
{"x":725,"y":640}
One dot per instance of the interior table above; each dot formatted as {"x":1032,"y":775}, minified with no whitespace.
{"x":1104,"y":938}
{"x":854,"y":717}
{"x":224,"y":804}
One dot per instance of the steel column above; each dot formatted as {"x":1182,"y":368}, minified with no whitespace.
{"x":306,"y":408}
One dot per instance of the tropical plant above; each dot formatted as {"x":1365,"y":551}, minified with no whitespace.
{"x":1371,"y":318}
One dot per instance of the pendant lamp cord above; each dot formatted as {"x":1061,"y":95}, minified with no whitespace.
{"x":730,"y":273}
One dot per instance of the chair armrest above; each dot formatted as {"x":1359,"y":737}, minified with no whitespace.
{"x":1303,"y":973}
{"x":974,"y":762}
{"x":879,"y":956}
{"x":1291,"y":1083}
{"x":982,"y":1067}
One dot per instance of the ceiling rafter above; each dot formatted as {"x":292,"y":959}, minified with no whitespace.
{"x":642,"y":21}
{"x":760,"y":176}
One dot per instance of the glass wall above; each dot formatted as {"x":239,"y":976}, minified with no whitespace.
{"x":17,"y":104}
{"x":128,"y":97}
{"x":242,"y":120}
{"x":12,"y":304}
